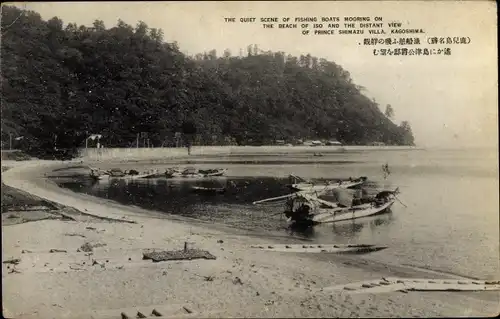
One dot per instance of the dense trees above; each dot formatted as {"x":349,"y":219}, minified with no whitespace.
{"x":64,"y":83}
{"x":389,"y":111}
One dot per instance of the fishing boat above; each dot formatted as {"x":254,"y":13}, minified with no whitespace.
{"x":99,"y":177}
{"x":173,"y":172}
{"x":191,"y":172}
{"x":97,"y":174}
{"x":208,"y":190}
{"x":213,"y":172}
{"x":301,"y":184}
{"x":117,"y":173}
{"x":145,"y":175}
{"x":302,"y":187}
{"x":307,"y":209}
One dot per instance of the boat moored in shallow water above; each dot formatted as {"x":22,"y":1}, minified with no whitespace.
{"x":117,"y":173}
{"x":308,"y":209}
{"x":208,"y":190}
{"x":213,"y":172}
{"x":191,"y":172}
{"x":301,"y":184}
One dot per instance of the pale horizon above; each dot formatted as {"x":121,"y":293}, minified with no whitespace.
{"x":450,"y":101}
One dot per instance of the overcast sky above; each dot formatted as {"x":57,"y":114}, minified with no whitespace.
{"x":449,"y":100}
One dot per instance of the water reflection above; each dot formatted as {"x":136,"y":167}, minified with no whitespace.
{"x":354,"y":227}
{"x":418,"y":233}
{"x":234,"y":207}
{"x":301,"y":230}
{"x":350,"y":229}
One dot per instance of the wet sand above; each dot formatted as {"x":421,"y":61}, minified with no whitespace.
{"x":67,"y":283}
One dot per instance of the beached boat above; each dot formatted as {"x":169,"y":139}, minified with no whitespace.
{"x":301,"y":184}
{"x":308,"y":209}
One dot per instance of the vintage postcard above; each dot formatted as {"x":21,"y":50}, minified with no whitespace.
{"x":272,"y":159}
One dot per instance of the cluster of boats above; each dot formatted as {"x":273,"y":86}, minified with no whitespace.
{"x":191,"y":172}
{"x":309,"y":202}
{"x":305,"y":205}
{"x":188,"y":172}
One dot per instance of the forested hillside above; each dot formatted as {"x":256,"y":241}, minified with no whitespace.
{"x":61,"y":83}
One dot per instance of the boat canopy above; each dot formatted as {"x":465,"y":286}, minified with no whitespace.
{"x":343,"y":196}
{"x":386,"y":193}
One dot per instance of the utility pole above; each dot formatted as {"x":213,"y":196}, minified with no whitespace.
{"x":137,"y":140}
{"x":10,"y":141}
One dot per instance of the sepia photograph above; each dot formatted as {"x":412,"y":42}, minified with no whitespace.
{"x":249,"y":159}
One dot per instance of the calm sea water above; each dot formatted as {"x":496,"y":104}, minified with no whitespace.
{"x":448,"y":220}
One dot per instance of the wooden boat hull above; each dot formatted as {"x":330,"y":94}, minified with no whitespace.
{"x":196,"y":175}
{"x":182,"y":176}
{"x":329,"y":215}
{"x":307,"y":209}
{"x":333,"y":215}
{"x":108,"y":177}
{"x":140,"y":176}
{"x":217,"y":174}
{"x":310,"y":187}
{"x":207,"y":190}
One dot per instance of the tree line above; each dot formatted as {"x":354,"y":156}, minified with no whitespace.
{"x":62,"y":83}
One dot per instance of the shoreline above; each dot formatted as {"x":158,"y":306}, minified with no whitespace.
{"x":131,"y":154}
{"x":273,"y":273}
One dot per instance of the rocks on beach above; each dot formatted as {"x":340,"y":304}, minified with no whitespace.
{"x":88,"y":247}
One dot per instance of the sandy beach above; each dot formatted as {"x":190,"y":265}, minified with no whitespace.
{"x":56,"y":277}
{"x":214,"y":160}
